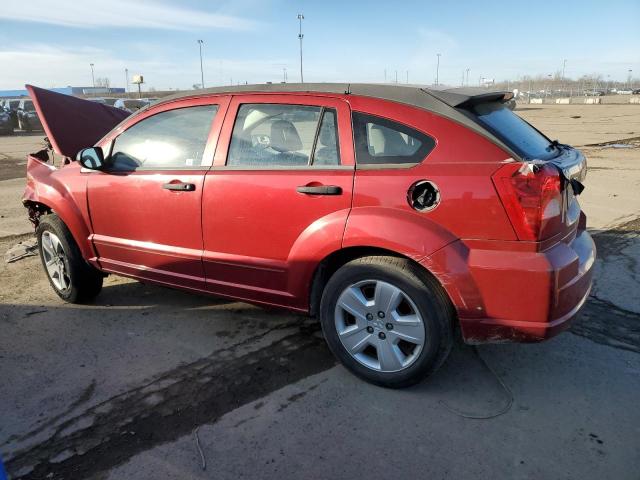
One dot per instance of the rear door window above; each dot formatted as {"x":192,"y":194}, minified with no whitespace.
{"x":171,"y":139}
{"x":280,"y":135}
{"x":381,"y":141}
{"x":525,"y":140}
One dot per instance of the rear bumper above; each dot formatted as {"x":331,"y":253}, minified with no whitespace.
{"x":517,"y":296}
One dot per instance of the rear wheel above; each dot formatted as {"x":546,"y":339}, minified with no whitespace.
{"x":71,"y":277}
{"x":387,"y":320}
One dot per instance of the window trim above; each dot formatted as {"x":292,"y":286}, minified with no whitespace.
{"x":357,"y":118}
{"x":204,"y":165}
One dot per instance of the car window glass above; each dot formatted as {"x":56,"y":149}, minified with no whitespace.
{"x":270,"y":135}
{"x":28,"y":106}
{"x":382,"y":141}
{"x":514,"y":131}
{"x":327,"y":151}
{"x":172,"y":139}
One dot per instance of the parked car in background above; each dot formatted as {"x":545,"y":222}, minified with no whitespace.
{"x":6,"y":123}
{"x":636,"y":91}
{"x":28,"y":119}
{"x":11,"y":106}
{"x":397,"y":215}
{"x":130,"y":105}
{"x":594,"y":93}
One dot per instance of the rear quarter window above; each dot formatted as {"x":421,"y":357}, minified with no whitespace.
{"x":380,"y":141}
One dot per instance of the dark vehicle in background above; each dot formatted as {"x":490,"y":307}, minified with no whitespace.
{"x":635,"y":91}
{"x":11,"y":106}
{"x":594,"y":93}
{"x":27,"y":116}
{"x":104,"y":101}
{"x":130,"y":105}
{"x":6,"y":124}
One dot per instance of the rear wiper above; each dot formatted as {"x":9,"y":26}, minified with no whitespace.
{"x":554,"y":145}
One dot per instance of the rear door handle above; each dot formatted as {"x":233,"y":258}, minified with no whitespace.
{"x":320,"y":190}
{"x":180,"y":186}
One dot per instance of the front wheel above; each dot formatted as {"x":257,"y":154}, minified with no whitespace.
{"x":71,"y":277}
{"x":387,"y":320}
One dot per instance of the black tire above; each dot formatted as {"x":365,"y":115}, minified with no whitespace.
{"x":85,"y":281}
{"x":427,"y":295}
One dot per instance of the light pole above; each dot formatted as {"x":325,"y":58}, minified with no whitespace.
{"x":284,"y":74}
{"x":564,"y":65}
{"x":629,"y":81}
{"x":300,"y":37}
{"x":200,"y":42}
{"x":438,"y":70}
{"x":93,"y":78}
{"x":468,"y":70}
{"x":126,"y":78}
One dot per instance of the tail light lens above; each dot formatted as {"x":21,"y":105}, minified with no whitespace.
{"x":533,"y":199}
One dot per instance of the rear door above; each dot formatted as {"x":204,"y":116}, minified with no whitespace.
{"x":277,"y":198}
{"x":146,"y":206}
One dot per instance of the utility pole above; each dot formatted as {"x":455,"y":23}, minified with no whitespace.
{"x":126,"y":78}
{"x":300,"y":37}
{"x":93,"y":78}
{"x":396,"y":76}
{"x":564,"y":65}
{"x":200,"y":42}
{"x":438,"y":70}
{"x":407,"y":77}
{"x":468,"y":70}
{"x":284,"y":74}
{"x":385,"y":75}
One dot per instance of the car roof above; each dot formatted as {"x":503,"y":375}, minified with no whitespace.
{"x":417,"y":95}
{"x":442,"y":101}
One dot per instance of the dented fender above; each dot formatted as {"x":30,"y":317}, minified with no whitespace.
{"x":63,"y":191}
{"x":408,"y":233}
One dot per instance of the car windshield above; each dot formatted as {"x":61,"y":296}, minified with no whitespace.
{"x":515,"y":132}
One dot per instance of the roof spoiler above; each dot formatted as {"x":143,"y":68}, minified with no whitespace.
{"x":467,"y":97}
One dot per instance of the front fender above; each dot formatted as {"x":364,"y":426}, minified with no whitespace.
{"x":64,"y":192}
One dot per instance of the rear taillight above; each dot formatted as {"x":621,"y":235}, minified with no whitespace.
{"x":533,"y":199}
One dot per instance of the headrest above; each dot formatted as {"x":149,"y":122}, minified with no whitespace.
{"x":384,"y":141}
{"x":327,"y":136}
{"x":285,"y":137}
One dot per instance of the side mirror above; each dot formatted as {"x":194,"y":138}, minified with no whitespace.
{"x":91,"y":158}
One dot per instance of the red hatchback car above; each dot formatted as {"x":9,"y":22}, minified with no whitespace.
{"x":398,"y":215}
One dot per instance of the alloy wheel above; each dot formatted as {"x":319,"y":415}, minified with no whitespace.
{"x":379,"y":325}
{"x":55,"y":260}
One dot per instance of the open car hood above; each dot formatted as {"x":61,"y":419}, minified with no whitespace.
{"x":71,"y":123}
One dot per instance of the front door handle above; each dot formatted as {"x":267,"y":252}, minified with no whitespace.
{"x":320,"y":190}
{"x":180,"y":186}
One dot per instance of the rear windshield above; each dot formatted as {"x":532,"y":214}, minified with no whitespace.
{"x":525,"y":140}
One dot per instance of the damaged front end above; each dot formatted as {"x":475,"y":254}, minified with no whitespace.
{"x":71,"y":124}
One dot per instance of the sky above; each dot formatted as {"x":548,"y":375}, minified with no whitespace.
{"x":52,"y":43}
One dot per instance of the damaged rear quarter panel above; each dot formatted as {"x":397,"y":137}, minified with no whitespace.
{"x":63,"y":191}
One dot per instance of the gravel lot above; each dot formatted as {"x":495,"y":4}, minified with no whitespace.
{"x":132,"y":385}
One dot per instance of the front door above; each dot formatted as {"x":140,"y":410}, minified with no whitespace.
{"x":278,"y":195}
{"x":146,"y":207}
